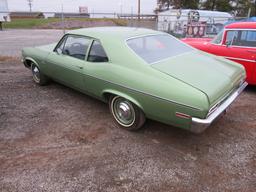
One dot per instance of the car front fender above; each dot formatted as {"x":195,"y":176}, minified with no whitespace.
{"x":29,"y":59}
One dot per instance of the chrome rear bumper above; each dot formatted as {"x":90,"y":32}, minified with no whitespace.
{"x":199,"y":125}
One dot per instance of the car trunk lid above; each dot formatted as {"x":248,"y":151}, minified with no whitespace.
{"x":214,"y":77}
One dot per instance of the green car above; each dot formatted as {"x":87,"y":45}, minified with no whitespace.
{"x":141,"y":74}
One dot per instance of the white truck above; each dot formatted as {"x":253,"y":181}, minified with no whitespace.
{"x":4,"y":12}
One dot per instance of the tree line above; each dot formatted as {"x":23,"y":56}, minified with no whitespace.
{"x":239,"y":8}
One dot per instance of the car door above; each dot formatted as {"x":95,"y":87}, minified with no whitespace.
{"x":67,"y":62}
{"x":239,"y":46}
{"x":98,"y":69}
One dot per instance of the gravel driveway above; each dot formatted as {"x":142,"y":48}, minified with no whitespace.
{"x":53,"y":138}
{"x":12,"y":41}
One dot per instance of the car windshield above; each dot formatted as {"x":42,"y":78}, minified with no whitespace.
{"x":218,"y":38}
{"x":154,"y":48}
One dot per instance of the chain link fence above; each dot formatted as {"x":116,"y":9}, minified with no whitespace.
{"x":190,"y":24}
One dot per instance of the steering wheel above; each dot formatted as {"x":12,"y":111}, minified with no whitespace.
{"x":76,"y":45}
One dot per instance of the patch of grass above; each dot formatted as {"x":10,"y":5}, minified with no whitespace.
{"x":34,"y":23}
{"x":7,"y":58}
{"x":27,"y":23}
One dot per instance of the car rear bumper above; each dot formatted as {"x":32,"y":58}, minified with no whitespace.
{"x":199,"y":125}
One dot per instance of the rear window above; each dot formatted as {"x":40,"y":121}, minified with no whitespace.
{"x":154,"y":48}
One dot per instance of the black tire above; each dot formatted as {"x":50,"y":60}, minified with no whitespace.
{"x":38,"y":77}
{"x":126,"y":114}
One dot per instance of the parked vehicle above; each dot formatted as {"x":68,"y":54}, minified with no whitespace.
{"x":236,"y":42}
{"x":140,"y":73}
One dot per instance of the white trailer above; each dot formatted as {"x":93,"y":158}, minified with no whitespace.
{"x":4,"y":12}
{"x":176,"y":20}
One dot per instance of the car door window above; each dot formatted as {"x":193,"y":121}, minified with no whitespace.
{"x":232,"y":38}
{"x":75,"y":46}
{"x":97,"y":53}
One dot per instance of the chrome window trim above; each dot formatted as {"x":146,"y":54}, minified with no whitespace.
{"x":238,"y":29}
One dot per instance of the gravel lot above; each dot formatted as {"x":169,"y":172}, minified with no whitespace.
{"x":55,"y":139}
{"x":12,"y":41}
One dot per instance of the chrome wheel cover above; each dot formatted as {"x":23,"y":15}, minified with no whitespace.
{"x":36,"y":73}
{"x":123,"y":111}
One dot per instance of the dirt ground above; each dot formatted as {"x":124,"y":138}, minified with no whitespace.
{"x":53,"y":138}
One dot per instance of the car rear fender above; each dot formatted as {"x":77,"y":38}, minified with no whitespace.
{"x":106,"y":93}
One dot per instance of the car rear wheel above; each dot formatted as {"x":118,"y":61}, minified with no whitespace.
{"x":126,"y":114}
{"x":38,"y":77}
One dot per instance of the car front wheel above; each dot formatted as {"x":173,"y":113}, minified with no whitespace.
{"x":38,"y":77}
{"x":126,"y":114}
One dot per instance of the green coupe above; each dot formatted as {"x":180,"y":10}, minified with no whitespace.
{"x":141,"y":73}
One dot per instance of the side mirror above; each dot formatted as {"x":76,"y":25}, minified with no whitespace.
{"x":228,"y":43}
{"x":59,"y":51}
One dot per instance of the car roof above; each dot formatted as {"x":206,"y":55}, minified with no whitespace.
{"x":242,"y":25}
{"x":113,"y":32}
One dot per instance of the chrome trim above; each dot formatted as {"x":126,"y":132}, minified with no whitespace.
{"x":238,"y":83}
{"x":240,"y":59}
{"x":240,"y":46}
{"x":199,"y":125}
{"x":239,"y":29}
{"x":141,"y":92}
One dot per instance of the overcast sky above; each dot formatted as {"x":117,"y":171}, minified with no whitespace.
{"x":147,"y":6}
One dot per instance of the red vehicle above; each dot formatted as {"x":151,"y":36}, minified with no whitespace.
{"x":236,"y":42}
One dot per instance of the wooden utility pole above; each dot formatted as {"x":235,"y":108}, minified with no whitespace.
{"x":30,"y":5}
{"x":255,"y":8}
{"x":139,"y":9}
{"x":213,"y":5}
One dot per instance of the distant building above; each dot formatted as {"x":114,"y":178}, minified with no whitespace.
{"x":83,"y":9}
{"x":4,"y":11}
{"x":22,"y":15}
{"x":72,"y":15}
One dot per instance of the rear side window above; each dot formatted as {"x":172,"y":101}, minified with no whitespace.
{"x":97,"y":53}
{"x":248,"y":38}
